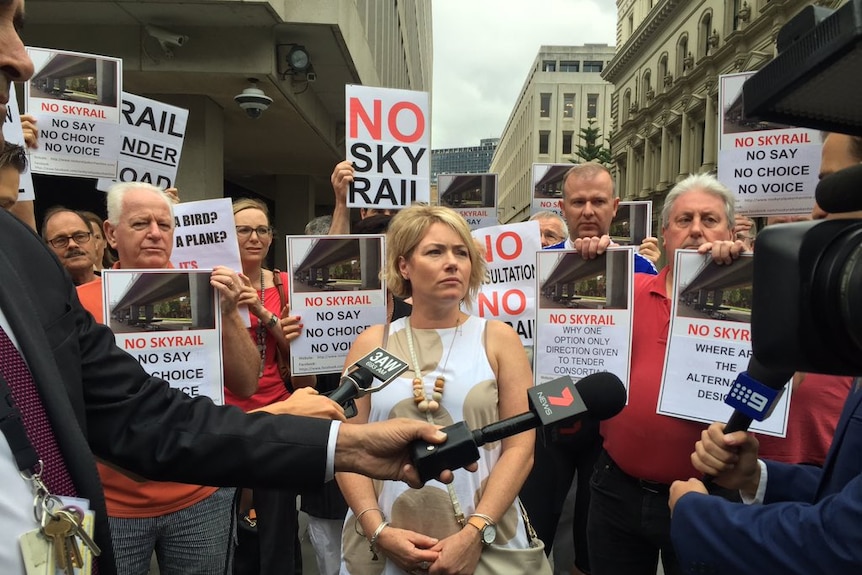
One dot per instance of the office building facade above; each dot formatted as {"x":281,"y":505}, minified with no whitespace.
{"x":562,"y":93}
{"x":469,"y":160}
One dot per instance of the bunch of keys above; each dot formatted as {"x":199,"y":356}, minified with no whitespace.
{"x":63,"y":528}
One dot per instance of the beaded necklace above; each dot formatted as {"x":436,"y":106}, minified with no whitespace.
{"x":425,"y":404}
{"x":261,"y":333}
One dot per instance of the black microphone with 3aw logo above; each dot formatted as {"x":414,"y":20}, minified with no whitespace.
{"x":378,"y":365}
{"x":599,"y":395}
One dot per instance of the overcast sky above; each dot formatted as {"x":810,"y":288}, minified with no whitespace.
{"x":483,"y":50}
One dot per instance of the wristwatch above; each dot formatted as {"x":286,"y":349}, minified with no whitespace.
{"x":487,"y":528}
{"x":273,"y":319}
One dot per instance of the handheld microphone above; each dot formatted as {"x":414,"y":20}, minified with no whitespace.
{"x":839,"y":192}
{"x":379,"y":364}
{"x":753,"y":395}
{"x":599,"y":395}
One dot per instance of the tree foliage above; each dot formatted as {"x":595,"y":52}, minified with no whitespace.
{"x":592,"y":146}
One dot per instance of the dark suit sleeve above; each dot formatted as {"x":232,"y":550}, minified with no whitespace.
{"x":139,"y":423}
{"x":787,"y":482}
{"x":713,"y":535}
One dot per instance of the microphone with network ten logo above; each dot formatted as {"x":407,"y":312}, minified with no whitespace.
{"x":599,"y":395}
{"x":378,"y":365}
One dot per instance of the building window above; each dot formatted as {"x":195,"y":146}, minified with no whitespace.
{"x":592,"y":105}
{"x":663,"y":78}
{"x":631,"y":24}
{"x":545,"y":106}
{"x":544,"y":139}
{"x":592,"y":66}
{"x":570,"y":66}
{"x":549,"y":65}
{"x":567,"y":142}
{"x":568,"y":105}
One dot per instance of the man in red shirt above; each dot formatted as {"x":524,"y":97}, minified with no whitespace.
{"x":629,"y":520}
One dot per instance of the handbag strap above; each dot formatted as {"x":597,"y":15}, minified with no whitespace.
{"x":279,"y":285}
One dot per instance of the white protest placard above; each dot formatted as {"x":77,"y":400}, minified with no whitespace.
{"x":771,"y":168}
{"x":548,"y":187}
{"x":76,"y":101}
{"x":151,"y":142}
{"x":474,"y":196}
{"x":584,"y":316}
{"x":336,"y":288}
{"x":13,"y":134}
{"x":509,"y":290}
{"x":632,"y":223}
{"x":389,"y":142}
{"x":170,"y":321}
{"x":710,"y":341}
{"x":205,"y":235}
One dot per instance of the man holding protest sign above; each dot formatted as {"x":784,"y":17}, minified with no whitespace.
{"x":629,"y":522}
{"x":342,"y":177}
{"x":589,"y":205}
{"x":148,"y":515}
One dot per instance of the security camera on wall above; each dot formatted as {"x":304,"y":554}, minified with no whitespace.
{"x":166,"y":38}
{"x":253,"y":100}
{"x":160,"y":43}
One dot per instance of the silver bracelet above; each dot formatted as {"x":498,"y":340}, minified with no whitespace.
{"x":373,"y":543}
{"x":358,"y":525}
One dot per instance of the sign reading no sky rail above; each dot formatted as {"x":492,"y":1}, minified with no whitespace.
{"x":335,"y":287}
{"x":76,"y":101}
{"x":710,"y":341}
{"x":389,"y":142}
{"x":584,"y":315}
{"x":152,"y":138}
{"x":170,"y":321}
{"x":508,"y":292}
{"x":771,"y":168}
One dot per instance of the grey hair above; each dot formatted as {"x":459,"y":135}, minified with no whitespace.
{"x":700,"y":182}
{"x":318,"y":226}
{"x":549,"y":215}
{"x":118,"y":191}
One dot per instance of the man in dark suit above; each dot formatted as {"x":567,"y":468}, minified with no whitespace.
{"x":98,"y":401}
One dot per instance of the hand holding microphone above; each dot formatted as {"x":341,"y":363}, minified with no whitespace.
{"x":753,"y":396}
{"x":600,"y":395}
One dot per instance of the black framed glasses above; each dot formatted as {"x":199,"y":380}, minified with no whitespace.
{"x":263,"y":232}
{"x":61,"y":242}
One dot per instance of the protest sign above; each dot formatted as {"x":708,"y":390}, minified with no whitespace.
{"x":771,"y":168}
{"x":710,"y":341}
{"x":632,"y":223}
{"x":205,"y":237}
{"x":75,"y":99}
{"x":474,"y":196}
{"x":584,"y":316}
{"x":170,"y":321}
{"x":547,"y":187}
{"x":336,"y":289}
{"x":509,"y":290}
{"x":151,"y":142}
{"x":389,"y":142}
{"x":13,"y":134}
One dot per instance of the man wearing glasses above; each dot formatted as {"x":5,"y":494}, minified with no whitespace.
{"x":69,"y":237}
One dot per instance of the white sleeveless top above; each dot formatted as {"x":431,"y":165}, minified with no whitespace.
{"x":470,"y":394}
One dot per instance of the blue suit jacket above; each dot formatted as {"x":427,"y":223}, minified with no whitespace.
{"x":642,"y":265}
{"x":810,"y":522}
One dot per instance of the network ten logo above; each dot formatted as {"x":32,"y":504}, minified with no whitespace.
{"x":752,"y":398}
